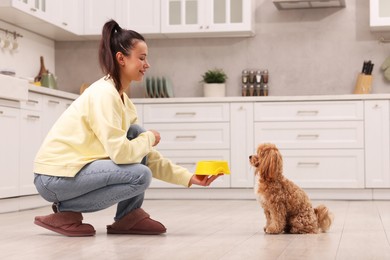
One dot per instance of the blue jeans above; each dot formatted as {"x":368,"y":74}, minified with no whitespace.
{"x":99,"y":185}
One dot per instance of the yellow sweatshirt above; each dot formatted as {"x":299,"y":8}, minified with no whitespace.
{"x":94,"y":127}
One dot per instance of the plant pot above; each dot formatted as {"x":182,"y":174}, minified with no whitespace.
{"x":214,"y":89}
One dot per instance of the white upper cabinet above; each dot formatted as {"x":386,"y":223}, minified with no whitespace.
{"x":380,"y":15}
{"x":71,"y":16}
{"x":142,"y":16}
{"x":54,"y":19}
{"x":38,"y":8}
{"x":207,"y":17}
{"x":96,"y":13}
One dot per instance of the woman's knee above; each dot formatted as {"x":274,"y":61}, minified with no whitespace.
{"x":144,"y":175}
{"x":134,"y":131}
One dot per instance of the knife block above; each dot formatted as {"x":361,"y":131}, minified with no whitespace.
{"x":363,"y":84}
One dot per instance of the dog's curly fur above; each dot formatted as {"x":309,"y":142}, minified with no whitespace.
{"x":286,"y":206}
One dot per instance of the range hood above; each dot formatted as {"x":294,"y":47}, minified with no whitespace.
{"x":299,"y":4}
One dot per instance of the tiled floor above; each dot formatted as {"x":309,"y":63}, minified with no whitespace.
{"x":205,"y":229}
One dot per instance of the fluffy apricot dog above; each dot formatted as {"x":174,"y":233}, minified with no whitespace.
{"x":287,"y":208}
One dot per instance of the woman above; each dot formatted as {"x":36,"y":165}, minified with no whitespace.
{"x":95,"y":155}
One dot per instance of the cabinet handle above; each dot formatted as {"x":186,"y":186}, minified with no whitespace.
{"x":1,"y":112}
{"x":30,"y":101}
{"x":186,"y":137}
{"x":186,"y":163}
{"x":33,"y":117}
{"x":314,"y":136}
{"x":307,"y":112}
{"x":308,"y":164}
{"x":207,"y":27}
{"x":64,"y":24}
{"x":201,"y":27}
{"x":185,"y":113}
{"x":54,"y":102}
{"x":33,"y":9}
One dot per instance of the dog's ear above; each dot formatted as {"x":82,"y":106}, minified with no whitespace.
{"x":254,"y":160}
{"x":271,"y":163}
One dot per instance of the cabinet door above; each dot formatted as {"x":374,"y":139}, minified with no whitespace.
{"x":142,"y":16}
{"x":30,"y":141}
{"x":37,"y":8}
{"x":9,"y":151}
{"x":71,"y":15}
{"x":380,"y":15}
{"x":377,"y":142}
{"x":324,"y":168}
{"x":202,"y":17}
{"x":242,"y":144}
{"x":53,"y":107}
{"x":181,"y":16}
{"x":228,"y":15}
{"x":97,"y":13}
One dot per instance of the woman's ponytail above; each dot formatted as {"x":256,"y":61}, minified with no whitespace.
{"x":115,"y":39}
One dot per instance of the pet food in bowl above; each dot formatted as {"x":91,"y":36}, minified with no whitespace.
{"x":212,"y":168}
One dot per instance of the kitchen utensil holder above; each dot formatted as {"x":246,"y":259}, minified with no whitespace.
{"x":363,"y":84}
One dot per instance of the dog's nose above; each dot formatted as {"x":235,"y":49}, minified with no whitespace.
{"x":250,"y":157}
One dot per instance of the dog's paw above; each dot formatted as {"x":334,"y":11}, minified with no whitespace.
{"x":271,"y":230}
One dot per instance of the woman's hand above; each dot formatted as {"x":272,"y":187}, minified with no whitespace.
{"x":156,"y":136}
{"x":203,"y":180}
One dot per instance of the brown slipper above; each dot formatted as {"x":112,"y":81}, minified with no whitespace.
{"x":136,"y":222}
{"x":66,"y":223}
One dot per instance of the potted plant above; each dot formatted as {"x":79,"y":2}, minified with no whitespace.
{"x":214,"y":83}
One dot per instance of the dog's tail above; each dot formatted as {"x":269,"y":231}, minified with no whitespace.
{"x":324,"y":217}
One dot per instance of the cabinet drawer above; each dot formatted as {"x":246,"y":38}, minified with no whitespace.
{"x":309,"y":111}
{"x":192,"y":136}
{"x":188,"y":159}
{"x":311,"y":134}
{"x":325,"y":168}
{"x":34,"y":102}
{"x":172,"y":113}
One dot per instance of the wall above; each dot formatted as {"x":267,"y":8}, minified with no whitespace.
{"x":25,"y":60}
{"x":307,"y":52}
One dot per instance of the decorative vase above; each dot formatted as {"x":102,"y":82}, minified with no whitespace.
{"x":214,"y":89}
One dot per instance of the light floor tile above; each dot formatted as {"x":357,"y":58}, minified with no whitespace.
{"x":205,"y":229}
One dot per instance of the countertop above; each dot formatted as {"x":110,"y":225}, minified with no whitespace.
{"x":260,"y":99}
{"x":237,"y":99}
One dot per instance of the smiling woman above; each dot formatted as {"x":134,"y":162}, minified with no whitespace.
{"x":96,"y":155}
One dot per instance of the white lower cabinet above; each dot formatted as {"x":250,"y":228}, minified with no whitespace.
{"x":9,"y":151}
{"x":377,"y":143}
{"x":24,"y":125}
{"x":30,"y":141}
{"x":323,"y":168}
{"x":242,"y":144}
{"x":52,"y":108}
{"x":190,"y":133}
{"x":322,"y":143}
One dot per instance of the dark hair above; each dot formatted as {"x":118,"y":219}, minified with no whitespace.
{"x":115,"y":39}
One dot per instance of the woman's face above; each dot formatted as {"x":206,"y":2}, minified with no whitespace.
{"x":136,"y":64}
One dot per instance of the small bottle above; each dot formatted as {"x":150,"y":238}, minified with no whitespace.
{"x":258,"y":77}
{"x":265,"y":76}
{"x":252,"y":76}
{"x":244,"y":90}
{"x":244,"y":77}
{"x":265,"y":89}
{"x":251,"y":90}
{"x":258,"y":90}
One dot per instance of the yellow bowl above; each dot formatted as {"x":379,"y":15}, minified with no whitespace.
{"x":212,"y":168}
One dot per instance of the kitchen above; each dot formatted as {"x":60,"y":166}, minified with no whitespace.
{"x":312,"y":54}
